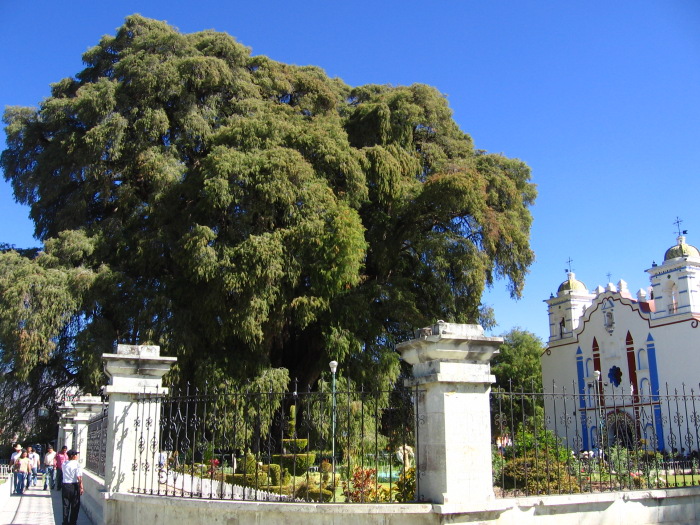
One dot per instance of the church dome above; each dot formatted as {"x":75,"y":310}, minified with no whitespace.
{"x":681,"y":250}
{"x":572,"y":285}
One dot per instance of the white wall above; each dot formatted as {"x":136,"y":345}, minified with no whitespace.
{"x":677,"y":506}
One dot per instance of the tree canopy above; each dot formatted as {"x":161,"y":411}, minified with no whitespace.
{"x":517,"y":364}
{"x":245,"y":213}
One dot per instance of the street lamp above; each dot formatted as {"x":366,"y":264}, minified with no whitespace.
{"x":334,"y":366}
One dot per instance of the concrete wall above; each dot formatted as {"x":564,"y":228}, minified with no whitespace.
{"x":93,"y":500}
{"x":677,"y":506}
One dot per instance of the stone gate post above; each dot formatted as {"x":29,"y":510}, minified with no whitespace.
{"x":452,"y":376}
{"x":85,"y":408}
{"x":66,"y":426}
{"x":133,"y":371}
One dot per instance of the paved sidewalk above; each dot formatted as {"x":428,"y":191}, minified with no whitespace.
{"x":35,"y":507}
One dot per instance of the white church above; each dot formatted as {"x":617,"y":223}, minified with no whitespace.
{"x":617,"y":354}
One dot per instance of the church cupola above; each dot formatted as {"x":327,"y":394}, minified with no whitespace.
{"x":676,"y":282}
{"x":566,"y":309}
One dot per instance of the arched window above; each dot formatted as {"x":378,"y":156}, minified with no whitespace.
{"x":671,"y":291}
{"x":589,"y":367}
{"x":590,"y":402}
{"x":648,"y":436}
{"x":645,"y":390}
{"x":642,"y":361}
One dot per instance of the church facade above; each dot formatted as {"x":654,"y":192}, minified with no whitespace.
{"x":619,"y":356}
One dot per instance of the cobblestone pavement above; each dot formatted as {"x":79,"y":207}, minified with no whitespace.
{"x":35,"y":507}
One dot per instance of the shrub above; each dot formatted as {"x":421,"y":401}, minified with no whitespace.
{"x":275,"y":472}
{"x":248,"y":480}
{"x":248,"y":464}
{"x":541,"y":475}
{"x":363,"y":487}
{"x":295,"y":445}
{"x":326,"y":469}
{"x":405,"y":488}
{"x":497,"y":463}
{"x":297,"y":464}
{"x":647,"y":460}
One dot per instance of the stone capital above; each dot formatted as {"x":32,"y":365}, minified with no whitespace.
{"x":136,"y":369}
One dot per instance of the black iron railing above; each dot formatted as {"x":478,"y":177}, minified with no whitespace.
{"x":326,"y":446}
{"x":595,"y":439}
{"x":97,"y":444}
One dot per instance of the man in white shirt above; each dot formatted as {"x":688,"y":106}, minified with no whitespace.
{"x":34,"y":461}
{"x":49,"y":462}
{"x":15,"y":455}
{"x":72,"y":488}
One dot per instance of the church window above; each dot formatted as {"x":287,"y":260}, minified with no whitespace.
{"x":645,"y":391}
{"x":672,"y":295}
{"x":642,"y":361}
{"x":615,"y":375}
{"x":589,"y":367}
{"x":609,"y":321}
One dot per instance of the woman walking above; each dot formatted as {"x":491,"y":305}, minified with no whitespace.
{"x":23,"y":468}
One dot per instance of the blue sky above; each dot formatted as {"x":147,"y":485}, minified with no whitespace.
{"x":600,"y":98}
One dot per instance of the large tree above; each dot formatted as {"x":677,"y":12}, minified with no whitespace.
{"x":245,"y":213}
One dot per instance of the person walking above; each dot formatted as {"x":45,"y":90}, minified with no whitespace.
{"x":61,"y":458}
{"x":34,"y":462}
{"x":72,"y":488}
{"x":23,"y":468}
{"x":13,"y":459}
{"x":49,"y":462}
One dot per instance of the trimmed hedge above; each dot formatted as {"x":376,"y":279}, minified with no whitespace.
{"x":275,"y":472}
{"x":539,"y":476}
{"x":296,"y":464}
{"x":295,"y":445}
{"x":248,"y":480}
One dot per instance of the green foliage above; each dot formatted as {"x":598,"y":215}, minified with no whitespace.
{"x":358,"y":418}
{"x":297,"y":464}
{"x":246,"y":214}
{"x":258,"y":480}
{"x":405,"y":488}
{"x":539,"y":475}
{"x":647,"y":461}
{"x":248,"y":464}
{"x":275,"y":473}
{"x":539,"y":441}
{"x":295,"y":445}
{"x":517,"y":364}
{"x":310,"y":491}
{"x":364,"y":488}
{"x":292,"y":420}
{"x":497,"y":463}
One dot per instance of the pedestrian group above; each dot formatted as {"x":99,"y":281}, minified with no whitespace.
{"x":61,"y":472}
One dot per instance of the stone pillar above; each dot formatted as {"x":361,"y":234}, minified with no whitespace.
{"x":452,"y":376}
{"x":85,"y":407}
{"x":66,"y":426}
{"x":133,"y":371}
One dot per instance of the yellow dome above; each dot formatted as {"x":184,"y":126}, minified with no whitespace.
{"x":572,"y":285}
{"x":681,"y":250}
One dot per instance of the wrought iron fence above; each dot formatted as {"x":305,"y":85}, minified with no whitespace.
{"x":593,"y":440}
{"x":97,"y":444}
{"x":325,"y":446}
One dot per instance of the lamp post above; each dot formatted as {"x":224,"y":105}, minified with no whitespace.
{"x":333,"y":366}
